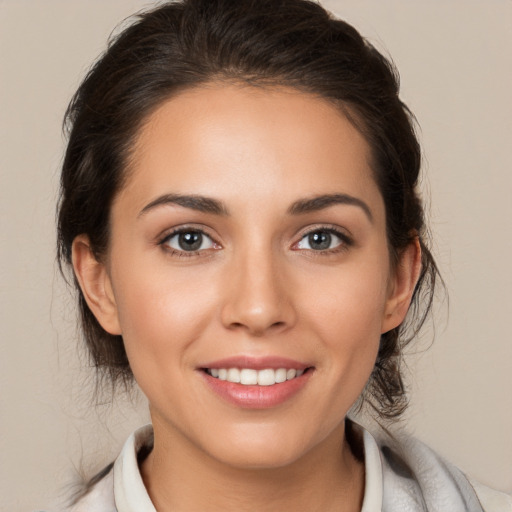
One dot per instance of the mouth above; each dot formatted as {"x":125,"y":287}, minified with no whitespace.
{"x":256,"y":383}
{"x":253,"y":377}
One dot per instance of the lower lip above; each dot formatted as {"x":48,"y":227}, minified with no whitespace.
{"x":257,"y":397}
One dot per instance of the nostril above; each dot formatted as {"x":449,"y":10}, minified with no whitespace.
{"x":244,"y":312}
{"x":257,"y":328}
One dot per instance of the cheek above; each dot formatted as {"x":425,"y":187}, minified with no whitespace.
{"x":346,"y":310}
{"x":161,"y":312}
{"x":351,"y":300}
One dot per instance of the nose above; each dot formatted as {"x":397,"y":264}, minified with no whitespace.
{"x":258,"y":296}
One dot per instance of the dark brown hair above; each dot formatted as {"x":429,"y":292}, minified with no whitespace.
{"x":293,"y":43}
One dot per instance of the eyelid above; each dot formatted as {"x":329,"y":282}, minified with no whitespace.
{"x":163,"y":239}
{"x":331,"y":228}
{"x":341,"y":233}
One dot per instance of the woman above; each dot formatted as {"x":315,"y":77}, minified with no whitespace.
{"x":240,"y":211}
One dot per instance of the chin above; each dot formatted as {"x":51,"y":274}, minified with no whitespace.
{"x":255,"y":458}
{"x":264,"y":447}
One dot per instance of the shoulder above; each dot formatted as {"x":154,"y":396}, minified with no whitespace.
{"x":120,"y":485}
{"x":99,"y":497}
{"x":414,"y":477}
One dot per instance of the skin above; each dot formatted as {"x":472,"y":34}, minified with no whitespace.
{"x":256,"y":287}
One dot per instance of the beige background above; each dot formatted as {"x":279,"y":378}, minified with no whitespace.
{"x":455,"y":59}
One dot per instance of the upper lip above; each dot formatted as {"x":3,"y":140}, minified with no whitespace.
{"x":257,"y":363}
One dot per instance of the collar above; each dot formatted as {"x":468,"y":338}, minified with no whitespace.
{"x":131,"y":495}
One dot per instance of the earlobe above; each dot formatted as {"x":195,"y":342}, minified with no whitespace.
{"x":402,"y":287}
{"x":95,"y":284}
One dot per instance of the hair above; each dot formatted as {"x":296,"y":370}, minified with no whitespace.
{"x":264,"y":43}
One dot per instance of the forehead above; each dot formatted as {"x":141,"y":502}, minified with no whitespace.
{"x":229,"y":140}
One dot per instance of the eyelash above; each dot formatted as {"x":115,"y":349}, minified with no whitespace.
{"x":163,"y":242}
{"x":345,"y":241}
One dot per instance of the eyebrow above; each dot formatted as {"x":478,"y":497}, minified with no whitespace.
{"x":317,"y":203}
{"x":194,"y":202}
{"x":215,"y":207}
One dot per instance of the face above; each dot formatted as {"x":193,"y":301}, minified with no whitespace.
{"x":249,"y":244}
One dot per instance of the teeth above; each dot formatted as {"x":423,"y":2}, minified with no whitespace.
{"x":250,"y":377}
{"x":266,"y":377}
{"x":280,"y":375}
{"x":290,"y":374}
{"x":233,"y":375}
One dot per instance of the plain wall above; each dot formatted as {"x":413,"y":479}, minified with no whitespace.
{"x":455,"y":60}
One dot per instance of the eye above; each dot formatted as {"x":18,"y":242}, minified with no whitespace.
{"x":322,"y":240}
{"x":189,"y":240}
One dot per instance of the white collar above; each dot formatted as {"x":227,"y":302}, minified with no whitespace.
{"x":131,"y":495}
{"x":129,"y":491}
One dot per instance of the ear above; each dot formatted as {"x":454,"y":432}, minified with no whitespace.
{"x":402,"y":286}
{"x":95,"y":283}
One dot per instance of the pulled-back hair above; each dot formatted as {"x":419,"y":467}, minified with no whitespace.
{"x":264,"y":43}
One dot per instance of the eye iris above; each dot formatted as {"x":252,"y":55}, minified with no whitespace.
{"x":190,"y":241}
{"x":319,"y":240}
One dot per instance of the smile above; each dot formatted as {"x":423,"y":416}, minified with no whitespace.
{"x":251,"y":377}
{"x":257,"y":388}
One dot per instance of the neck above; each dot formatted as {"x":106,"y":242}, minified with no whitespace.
{"x":180,"y":477}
